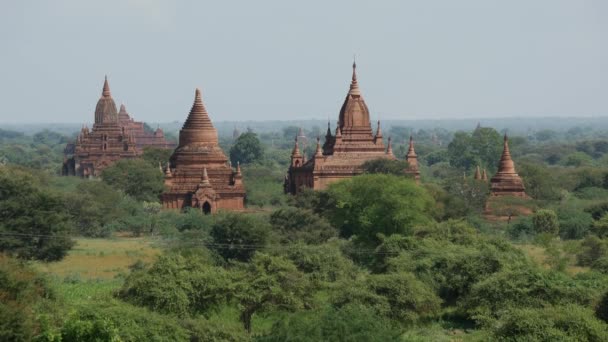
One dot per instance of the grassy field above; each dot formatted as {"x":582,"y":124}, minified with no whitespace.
{"x":101,"y":259}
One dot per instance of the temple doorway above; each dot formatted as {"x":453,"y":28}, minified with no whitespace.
{"x":206,"y":208}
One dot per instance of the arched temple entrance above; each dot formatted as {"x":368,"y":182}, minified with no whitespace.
{"x":206,"y":208}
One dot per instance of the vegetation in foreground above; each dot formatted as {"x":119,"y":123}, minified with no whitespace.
{"x":374,"y":258}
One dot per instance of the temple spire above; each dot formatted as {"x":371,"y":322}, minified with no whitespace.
{"x":296,"y":149}
{"x":205,"y":177}
{"x":198,"y":128}
{"x":389,"y":150}
{"x":354,"y":85}
{"x":106,"y":88}
{"x":506,"y":164}
{"x":319,"y":152}
{"x":484,"y":175}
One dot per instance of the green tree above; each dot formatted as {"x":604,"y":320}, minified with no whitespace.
{"x":34,"y":223}
{"x":238,"y":236}
{"x":545,"y":221}
{"x":295,"y":224}
{"x":600,"y":227}
{"x":370,"y":204}
{"x":155,"y":156}
{"x":482,"y":147}
{"x":270,"y":283}
{"x":136,"y":177}
{"x":349,"y":323}
{"x":385,"y":166}
{"x":247,"y":149}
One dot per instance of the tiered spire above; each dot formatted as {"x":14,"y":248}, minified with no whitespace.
{"x":205,"y":177}
{"x":296,"y":149}
{"x":378,"y":138}
{"x":484,"y":175}
{"x":198,"y":128}
{"x":506,"y":165}
{"x":319,"y":152}
{"x":389,"y":150}
{"x":106,"y":88}
{"x":412,"y":160}
{"x":354,"y":85}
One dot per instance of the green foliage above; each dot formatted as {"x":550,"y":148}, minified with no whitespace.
{"x":600,"y":227}
{"x":179,"y":285}
{"x":563,"y":323}
{"x":577,"y":159}
{"x":34,"y":223}
{"x":370,"y":204}
{"x":136,"y":178}
{"x":264,"y":185}
{"x":545,"y":221}
{"x":523,"y":287}
{"x":237,"y":236}
{"x":400,"y":296}
{"x":601,"y":311}
{"x":348,"y":323}
{"x":21,"y":289}
{"x":322,"y":263}
{"x":539,"y":181}
{"x":303,"y":225}
{"x":573,"y":224}
{"x":482,"y":147}
{"x":592,"y":250}
{"x":385,"y":166}
{"x":247,"y":149}
{"x":270,"y":283}
{"x":156,"y":156}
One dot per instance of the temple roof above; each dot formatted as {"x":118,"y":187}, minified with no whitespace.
{"x":198,"y":128}
{"x":354,"y":114}
{"x":105,"y":111}
{"x":122,"y":113}
{"x":506,"y":165}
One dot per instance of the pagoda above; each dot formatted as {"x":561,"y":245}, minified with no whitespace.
{"x":198,"y":174}
{"x":506,"y":182}
{"x":343,"y":153}
{"x":104,"y":144}
{"x":142,"y":137}
{"x":507,"y":197}
{"x":412,"y":160}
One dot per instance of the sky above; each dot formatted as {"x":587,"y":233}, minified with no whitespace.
{"x":291,"y":60}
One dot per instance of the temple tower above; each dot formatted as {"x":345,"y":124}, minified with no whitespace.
{"x":412,"y":160}
{"x":343,"y":153}
{"x":507,"y":182}
{"x":198,"y":174}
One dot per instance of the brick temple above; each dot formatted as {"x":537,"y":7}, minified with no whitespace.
{"x":343,"y":154}
{"x":198,"y":174}
{"x":508,"y":196}
{"x":114,"y":136}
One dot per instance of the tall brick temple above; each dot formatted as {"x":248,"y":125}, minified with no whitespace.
{"x":114,"y":136}
{"x":343,"y":153}
{"x":507,"y":182}
{"x":198,"y":174}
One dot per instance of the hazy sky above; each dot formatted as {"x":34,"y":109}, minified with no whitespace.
{"x":259,"y":60}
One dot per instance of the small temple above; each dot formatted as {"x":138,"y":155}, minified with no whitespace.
{"x":198,"y":174}
{"x":114,"y":136}
{"x":507,"y":192}
{"x":507,"y":182}
{"x":412,"y":160}
{"x":343,"y":153}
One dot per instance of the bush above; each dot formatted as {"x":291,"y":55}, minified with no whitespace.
{"x":592,"y":249}
{"x":238,"y":236}
{"x":600,"y":227}
{"x":545,"y":221}
{"x":562,"y":323}
{"x":385,"y":166}
{"x":349,"y":323}
{"x":136,"y":178}
{"x":398,"y":296}
{"x":301,"y":225}
{"x":178,"y":285}
{"x":370,"y":204}
{"x":574,"y":224}
{"x":246,"y":149}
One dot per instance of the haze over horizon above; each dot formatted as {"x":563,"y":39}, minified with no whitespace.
{"x":266,"y":61}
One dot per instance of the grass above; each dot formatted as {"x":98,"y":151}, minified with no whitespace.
{"x":101,"y":259}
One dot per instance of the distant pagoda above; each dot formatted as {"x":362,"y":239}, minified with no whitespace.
{"x":412,"y":160}
{"x":198,"y":174}
{"x":114,"y":136}
{"x":343,"y":154}
{"x":507,"y":182}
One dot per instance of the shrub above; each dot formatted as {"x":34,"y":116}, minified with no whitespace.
{"x":301,"y":225}
{"x":351,"y":322}
{"x":545,"y":221}
{"x":238,"y":236}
